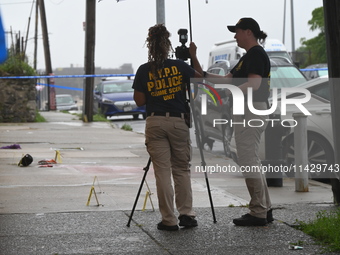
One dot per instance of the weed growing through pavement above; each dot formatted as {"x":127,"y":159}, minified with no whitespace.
{"x":325,"y":229}
{"x":298,"y":243}
{"x":126,"y":127}
{"x":232,"y":205}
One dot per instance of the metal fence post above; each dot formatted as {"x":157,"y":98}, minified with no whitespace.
{"x":301,"y":152}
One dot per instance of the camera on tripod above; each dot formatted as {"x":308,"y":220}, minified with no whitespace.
{"x":182,"y":52}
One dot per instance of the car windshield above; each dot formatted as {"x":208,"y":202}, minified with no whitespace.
{"x":292,"y":77}
{"x":117,"y":87}
{"x":322,"y":90}
{"x":64,"y":100}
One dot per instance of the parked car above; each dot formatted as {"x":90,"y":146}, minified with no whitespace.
{"x":319,"y":129}
{"x":315,"y":71}
{"x":283,"y":74}
{"x":65,"y":102}
{"x":319,"y":132}
{"x":114,"y":97}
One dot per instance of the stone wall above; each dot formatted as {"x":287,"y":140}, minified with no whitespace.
{"x":17,"y":100}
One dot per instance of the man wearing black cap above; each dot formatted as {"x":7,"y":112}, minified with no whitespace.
{"x":251,"y":72}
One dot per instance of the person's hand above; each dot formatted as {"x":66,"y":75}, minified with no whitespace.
{"x":192,"y":49}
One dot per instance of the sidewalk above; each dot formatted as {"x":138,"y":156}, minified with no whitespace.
{"x":45,"y":211}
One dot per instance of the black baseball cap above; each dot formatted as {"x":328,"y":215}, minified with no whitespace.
{"x":246,"y":23}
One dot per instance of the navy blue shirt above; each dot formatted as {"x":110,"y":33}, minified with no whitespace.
{"x":255,"y":61}
{"x":167,"y":92}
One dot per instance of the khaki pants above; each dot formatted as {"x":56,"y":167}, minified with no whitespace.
{"x":168,"y":143}
{"x":247,"y":140}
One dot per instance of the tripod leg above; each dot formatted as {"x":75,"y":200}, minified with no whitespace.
{"x":200,"y":147}
{"x":146,"y":169}
{"x":210,"y":198}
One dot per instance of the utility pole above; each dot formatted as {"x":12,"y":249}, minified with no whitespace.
{"x":293,"y":32}
{"x":284,"y":22}
{"x":48,"y":64}
{"x":160,"y":12}
{"x":332,"y":31}
{"x":36,"y":35}
{"x":90,"y":37}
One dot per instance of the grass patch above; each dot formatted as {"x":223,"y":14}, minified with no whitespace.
{"x":325,"y":229}
{"x":64,"y":111}
{"x":96,"y":117}
{"x":100,"y":117}
{"x":39,"y":117}
{"x":126,"y":127}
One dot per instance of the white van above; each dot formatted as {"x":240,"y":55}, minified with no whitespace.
{"x":275,"y":48}
{"x":225,"y":51}
{"x":228,"y":50}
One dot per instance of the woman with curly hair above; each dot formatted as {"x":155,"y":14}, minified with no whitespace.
{"x":161,"y":84}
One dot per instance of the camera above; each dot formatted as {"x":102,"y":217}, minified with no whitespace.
{"x":182,"y":52}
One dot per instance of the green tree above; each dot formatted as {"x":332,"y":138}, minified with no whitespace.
{"x":313,"y":51}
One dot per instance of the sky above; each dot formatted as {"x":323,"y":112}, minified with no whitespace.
{"x":122,"y":27}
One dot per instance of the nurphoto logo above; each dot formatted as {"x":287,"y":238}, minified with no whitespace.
{"x":280,"y":99}
{"x":238,"y":100}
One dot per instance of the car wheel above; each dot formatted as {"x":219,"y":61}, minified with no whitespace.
{"x":227,"y":132}
{"x":320,"y":152}
{"x":144,"y":116}
{"x":135,"y":116}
